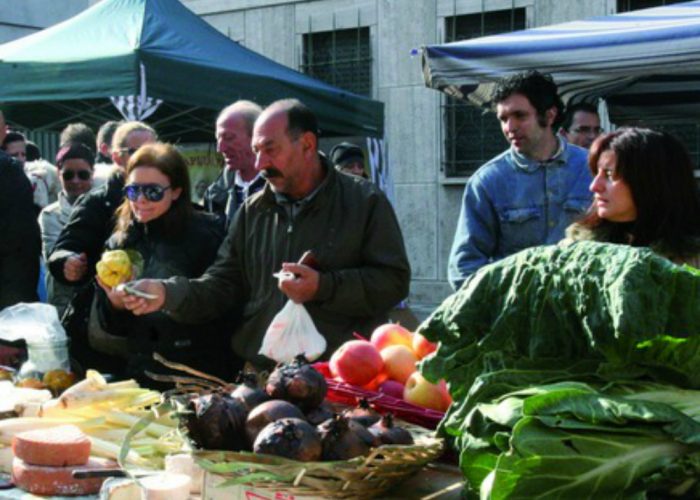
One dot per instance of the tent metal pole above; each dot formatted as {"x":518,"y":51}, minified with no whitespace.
{"x":69,"y":109}
{"x":176,"y":115}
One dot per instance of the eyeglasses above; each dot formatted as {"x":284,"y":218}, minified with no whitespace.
{"x":83,"y":175}
{"x":587,"y":130}
{"x":152,"y":192}
{"x":129,"y":151}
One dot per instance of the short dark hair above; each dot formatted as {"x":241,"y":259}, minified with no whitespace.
{"x":300,"y":118}
{"x":106,"y":132}
{"x":79,"y":132}
{"x":13,"y":136}
{"x":659,"y":172}
{"x":538,"y":88}
{"x":32,"y":151}
{"x":586,"y":107}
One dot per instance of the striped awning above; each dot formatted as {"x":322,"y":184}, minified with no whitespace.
{"x":645,"y":63}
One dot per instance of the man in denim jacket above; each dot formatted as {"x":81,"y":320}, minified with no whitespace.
{"x":528,"y":195}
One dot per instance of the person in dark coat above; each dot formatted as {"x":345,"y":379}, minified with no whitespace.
{"x":158,"y":221}
{"x":20,"y":243}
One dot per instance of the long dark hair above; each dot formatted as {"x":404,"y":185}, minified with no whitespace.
{"x":168,"y":160}
{"x":659,"y":172}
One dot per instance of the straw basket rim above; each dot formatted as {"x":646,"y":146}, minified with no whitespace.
{"x":365,"y":476}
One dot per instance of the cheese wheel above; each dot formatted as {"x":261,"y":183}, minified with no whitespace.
{"x":43,"y":480}
{"x":183,"y":463}
{"x":56,"y":446}
{"x":165,"y":486}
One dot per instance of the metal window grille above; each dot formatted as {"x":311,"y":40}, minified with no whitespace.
{"x":628,"y":5}
{"x":471,"y":136}
{"x":341,"y":58}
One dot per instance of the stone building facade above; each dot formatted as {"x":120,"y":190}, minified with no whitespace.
{"x":427,"y":191}
{"x":22,"y":18}
{"x":372,"y":47}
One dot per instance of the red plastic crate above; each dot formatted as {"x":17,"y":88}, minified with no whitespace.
{"x":340,"y":392}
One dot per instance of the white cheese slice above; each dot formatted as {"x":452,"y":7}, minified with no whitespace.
{"x":165,"y":486}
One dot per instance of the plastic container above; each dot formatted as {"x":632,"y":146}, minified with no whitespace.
{"x":44,"y":356}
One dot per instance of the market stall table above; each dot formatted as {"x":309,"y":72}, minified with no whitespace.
{"x":435,"y":482}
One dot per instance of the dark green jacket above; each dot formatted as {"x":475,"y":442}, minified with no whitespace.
{"x":352,"y":230}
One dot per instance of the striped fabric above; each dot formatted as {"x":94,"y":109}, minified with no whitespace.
{"x":645,"y":63}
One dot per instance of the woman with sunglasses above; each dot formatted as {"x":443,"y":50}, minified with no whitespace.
{"x":644,"y":195}
{"x":75,"y":162}
{"x":157,"y":219}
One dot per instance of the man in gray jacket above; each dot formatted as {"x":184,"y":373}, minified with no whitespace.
{"x":360,"y":271}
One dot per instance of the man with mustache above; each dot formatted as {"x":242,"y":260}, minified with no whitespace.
{"x":529,"y":194}
{"x":359,"y":269}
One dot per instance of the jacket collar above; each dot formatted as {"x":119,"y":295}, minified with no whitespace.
{"x":255,"y":181}
{"x":561,"y":157}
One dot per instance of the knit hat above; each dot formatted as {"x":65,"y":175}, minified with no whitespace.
{"x":75,"y":150}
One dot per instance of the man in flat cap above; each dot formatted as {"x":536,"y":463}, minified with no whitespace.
{"x":349,"y":159}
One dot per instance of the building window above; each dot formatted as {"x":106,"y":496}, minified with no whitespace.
{"x":473,"y":137}
{"x":341,"y":58}
{"x":628,"y":5}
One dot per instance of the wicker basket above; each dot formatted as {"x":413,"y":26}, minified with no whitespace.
{"x":361,"y":477}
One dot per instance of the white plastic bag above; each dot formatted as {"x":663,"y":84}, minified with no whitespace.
{"x":34,"y":322}
{"x":292,"y":332}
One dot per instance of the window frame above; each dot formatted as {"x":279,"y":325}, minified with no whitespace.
{"x":371,"y":74}
{"x":454,"y":10}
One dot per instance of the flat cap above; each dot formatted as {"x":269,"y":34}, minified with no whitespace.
{"x":346,"y":152}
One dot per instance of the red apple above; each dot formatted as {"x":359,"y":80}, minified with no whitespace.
{"x":422,"y":346}
{"x":422,"y":393}
{"x":399,"y":362}
{"x":392,"y":388}
{"x":391,"y":334}
{"x":374,"y":383}
{"x":357,"y":362}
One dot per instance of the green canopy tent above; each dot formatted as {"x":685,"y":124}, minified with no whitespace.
{"x":156,"y":60}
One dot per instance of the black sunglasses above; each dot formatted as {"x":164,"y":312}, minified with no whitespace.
{"x":152,"y":192}
{"x":83,"y":175}
{"x":129,"y":151}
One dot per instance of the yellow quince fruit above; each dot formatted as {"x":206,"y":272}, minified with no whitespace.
{"x":114,"y":267}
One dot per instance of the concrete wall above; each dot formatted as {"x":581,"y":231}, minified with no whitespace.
{"x":20,"y":18}
{"x":427,"y":204}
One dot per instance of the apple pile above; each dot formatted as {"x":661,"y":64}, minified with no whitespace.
{"x":387,"y":363}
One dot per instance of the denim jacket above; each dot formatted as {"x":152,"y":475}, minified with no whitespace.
{"x":512,"y":203}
